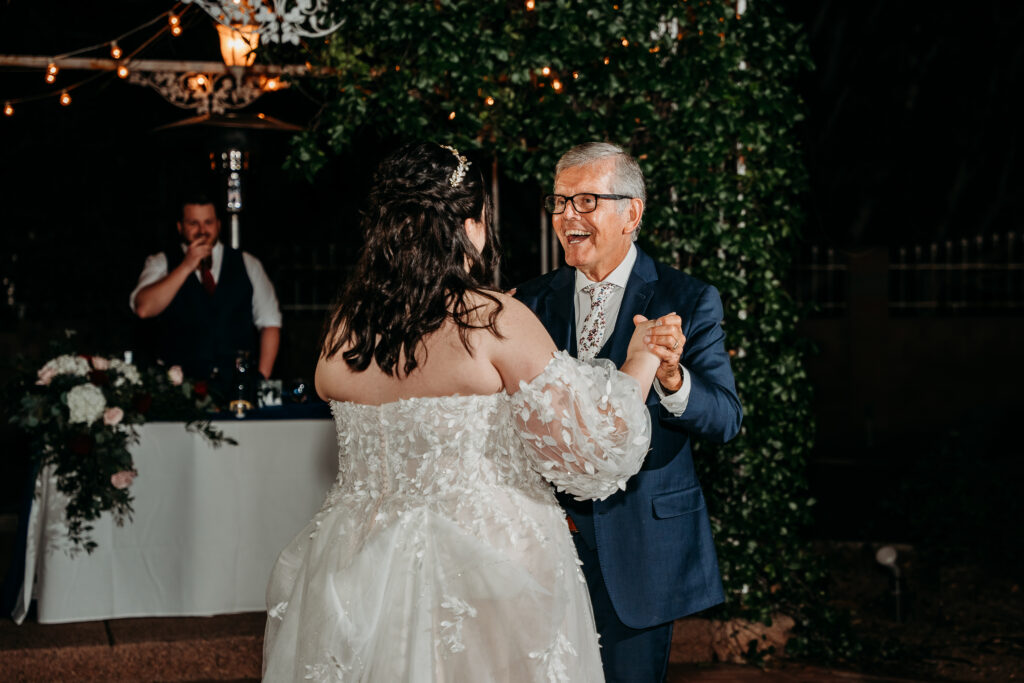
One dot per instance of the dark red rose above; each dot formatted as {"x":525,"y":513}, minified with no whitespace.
{"x":99,"y":377}
{"x":80,"y":444}
{"x":201,"y":389}
{"x":142,"y":403}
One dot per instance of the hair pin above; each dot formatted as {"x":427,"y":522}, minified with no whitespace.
{"x":459,"y":173}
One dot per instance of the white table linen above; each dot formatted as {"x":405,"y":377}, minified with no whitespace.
{"x":207,"y":528}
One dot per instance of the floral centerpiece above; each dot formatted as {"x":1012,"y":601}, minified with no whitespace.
{"x":81,"y":415}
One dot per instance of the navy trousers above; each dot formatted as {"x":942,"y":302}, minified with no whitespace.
{"x":628,"y":655}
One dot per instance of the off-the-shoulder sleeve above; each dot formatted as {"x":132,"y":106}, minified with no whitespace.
{"x":584,"y":425}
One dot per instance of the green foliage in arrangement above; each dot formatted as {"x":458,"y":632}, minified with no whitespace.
{"x":81,"y":414}
{"x":704,"y":99}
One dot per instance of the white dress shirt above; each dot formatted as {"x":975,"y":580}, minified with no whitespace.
{"x":674,"y":403}
{"x":265,"y":311}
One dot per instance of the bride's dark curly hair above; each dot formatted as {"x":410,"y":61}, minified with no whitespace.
{"x":418,"y":266}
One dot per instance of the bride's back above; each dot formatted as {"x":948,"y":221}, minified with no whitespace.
{"x":445,"y":367}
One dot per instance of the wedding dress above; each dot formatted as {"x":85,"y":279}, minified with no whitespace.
{"x":440,"y":553}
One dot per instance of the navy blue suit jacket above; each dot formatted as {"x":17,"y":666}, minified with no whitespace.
{"x":653,"y":540}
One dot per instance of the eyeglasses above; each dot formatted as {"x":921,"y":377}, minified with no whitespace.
{"x":584,"y":202}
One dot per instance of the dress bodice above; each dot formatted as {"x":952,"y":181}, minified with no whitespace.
{"x":425,"y":447}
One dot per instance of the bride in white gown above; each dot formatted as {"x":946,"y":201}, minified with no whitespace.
{"x":440,"y":553}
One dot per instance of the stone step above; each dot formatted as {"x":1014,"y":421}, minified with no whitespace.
{"x":221,"y":648}
{"x":229,"y":648}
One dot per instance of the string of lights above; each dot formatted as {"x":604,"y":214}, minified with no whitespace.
{"x":172,"y":23}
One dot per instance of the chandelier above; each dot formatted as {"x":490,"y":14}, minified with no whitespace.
{"x":284,"y":21}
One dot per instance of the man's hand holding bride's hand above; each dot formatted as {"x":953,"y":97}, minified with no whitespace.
{"x":666,"y":340}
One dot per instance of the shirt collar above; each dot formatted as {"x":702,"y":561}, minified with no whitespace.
{"x":619,"y":276}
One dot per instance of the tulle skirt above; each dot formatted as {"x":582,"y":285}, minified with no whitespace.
{"x":418,"y":594}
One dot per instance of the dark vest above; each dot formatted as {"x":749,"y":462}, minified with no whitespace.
{"x":200,"y":332}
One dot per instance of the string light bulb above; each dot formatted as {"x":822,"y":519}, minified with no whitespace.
{"x":530,"y":5}
{"x":546,"y":70}
{"x":176,"y":30}
{"x":115,"y":51}
{"x":51,"y":72}
{"x":625,"y":42}
{"x":50,"y":78}
{"x":489,"y":101}
{"x":122,"y":71}
{"x":451,"y":117}
{"x":173,"y":19}
{"x":65,"y":98}
{"x":8,"y":109}
{"x":556,"y":85}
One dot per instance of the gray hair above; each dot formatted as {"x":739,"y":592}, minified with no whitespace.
{"x":628,"y":178}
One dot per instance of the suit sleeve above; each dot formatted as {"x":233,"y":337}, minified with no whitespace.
{"x":713,"y":409}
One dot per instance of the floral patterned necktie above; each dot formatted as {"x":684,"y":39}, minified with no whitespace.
{"x":592,"y":330}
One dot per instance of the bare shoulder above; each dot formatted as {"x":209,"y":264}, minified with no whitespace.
{"x":332,"y":371}
{"x":522,"y":348}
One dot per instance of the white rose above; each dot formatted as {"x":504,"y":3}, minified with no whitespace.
{"x":127,"y":371}
{"x":63,"y":365}
{"x":86,"y":403}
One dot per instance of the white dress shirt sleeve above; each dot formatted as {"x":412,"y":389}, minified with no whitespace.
{"x":675,"y":403}
{"x":265,"y":310}
{"x":154,"y":270}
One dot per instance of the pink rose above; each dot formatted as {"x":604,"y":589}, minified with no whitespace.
{"x":46,"y":375}
{"x":112,"y":416}
{"x":123,"y":479}
{"x":175,"y":374}
{"x":100,"y":363}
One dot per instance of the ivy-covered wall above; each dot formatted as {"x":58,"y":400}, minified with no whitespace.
{"x":704,"y":98}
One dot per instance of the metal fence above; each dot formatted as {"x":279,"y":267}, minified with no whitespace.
{"x":308,"y":277}
{"x":820,"y":280}
{"x":982,"y":275}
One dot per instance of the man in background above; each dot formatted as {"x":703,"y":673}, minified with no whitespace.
{"x":210,"y":302}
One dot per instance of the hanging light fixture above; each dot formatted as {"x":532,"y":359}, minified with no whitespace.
{"x":238,"y":44}
{"x":284,"y":21}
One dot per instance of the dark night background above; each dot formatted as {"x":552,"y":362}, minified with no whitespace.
{"x":911,"y":138}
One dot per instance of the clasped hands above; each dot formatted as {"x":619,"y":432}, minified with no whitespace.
{"x":662,"y":337}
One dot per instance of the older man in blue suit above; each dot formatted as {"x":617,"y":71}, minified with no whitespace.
{"x":647,"y":552}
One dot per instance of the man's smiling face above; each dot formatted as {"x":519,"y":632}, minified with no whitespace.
{"x":595,"y":242}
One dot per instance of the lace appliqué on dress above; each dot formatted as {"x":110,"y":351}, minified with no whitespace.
{"x":585,"y":428}
{"x":553,"y":659}
{"x":451,"y":629}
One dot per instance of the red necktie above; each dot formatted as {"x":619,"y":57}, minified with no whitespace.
{"x":207,"y":276}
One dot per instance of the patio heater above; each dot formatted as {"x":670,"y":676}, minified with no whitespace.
{"x":233,"y":161}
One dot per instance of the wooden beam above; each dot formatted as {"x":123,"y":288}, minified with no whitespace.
{"x":156,"y":65}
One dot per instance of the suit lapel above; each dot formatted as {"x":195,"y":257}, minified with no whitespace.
{"x":556,"y":310}
{"x":639,"y":290}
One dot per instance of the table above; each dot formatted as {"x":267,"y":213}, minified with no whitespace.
{"x":207,"y":528}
